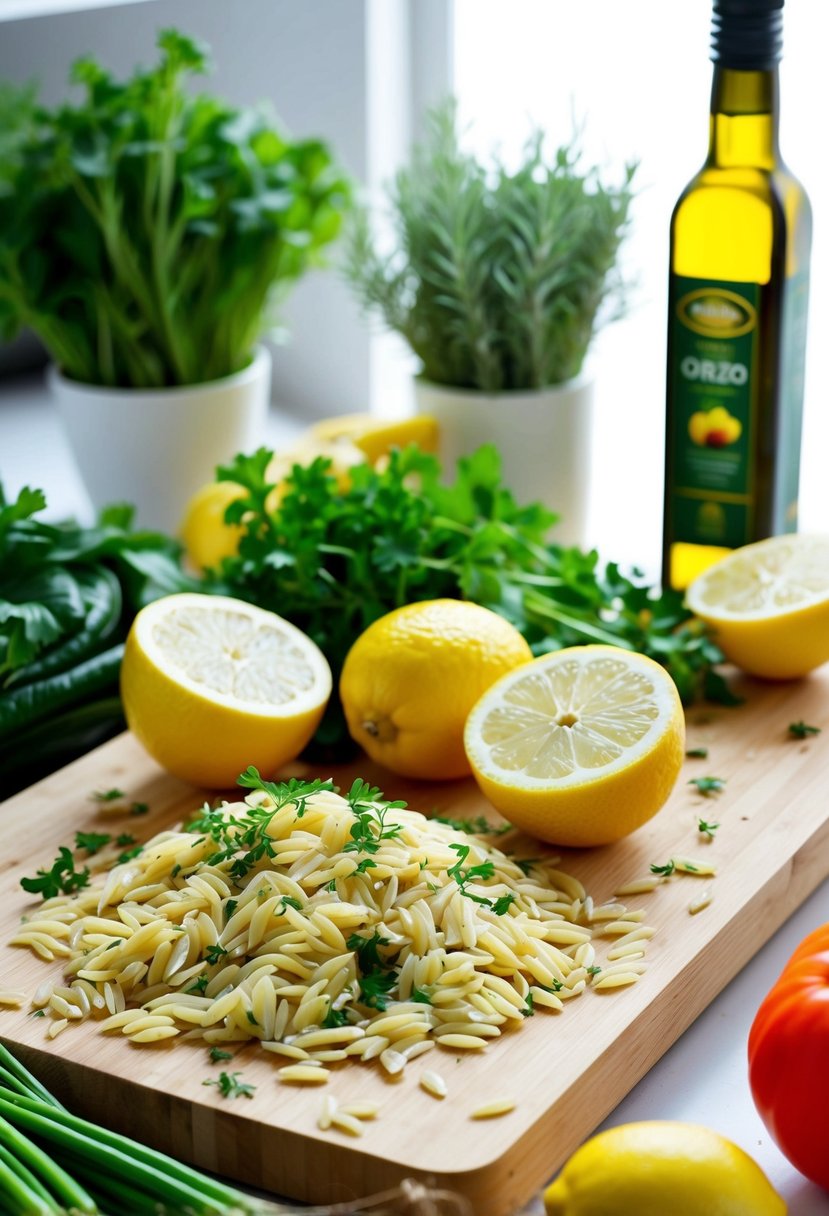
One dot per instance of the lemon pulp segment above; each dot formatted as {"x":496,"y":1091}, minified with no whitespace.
{"x":767,"y":578}
{"x":571,"y":721}
{"x":229,"y":652}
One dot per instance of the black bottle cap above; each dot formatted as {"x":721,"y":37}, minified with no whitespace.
{"x":747,"y":34}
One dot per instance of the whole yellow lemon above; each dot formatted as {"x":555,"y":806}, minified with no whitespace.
{"x":409,"y":682}
{"x":661,"y":1169}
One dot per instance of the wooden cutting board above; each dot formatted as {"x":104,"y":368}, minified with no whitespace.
{"x":566,"y":1071}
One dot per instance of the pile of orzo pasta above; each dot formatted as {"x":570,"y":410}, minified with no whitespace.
{"x":327,"y":927}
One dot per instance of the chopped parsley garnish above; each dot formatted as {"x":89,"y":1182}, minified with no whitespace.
{"x":217,"y":1055}
{"x":38,"y":1013}
{"x":556,"y":986}
{"x":92,"y":842}
{"x":251,"y":1017}
{"x":61,"y":879}
{"x":370,"y":810}
{"x":364,"y":865}
{"x":375,"y":987}
{"x":128,"y":854}
{"x":333,"y":1019}
{"x":708,"y":785}
{"x":593,"y":970}
{"x":229,"y":1086}
{"x":665,"y":871}
{"x":288,"y":901}
{"x":214,"y":953}
{"x":107,"y":795}
{"x":243,"y":839}
{"x":366,"y":949}
{"x":525,"y":864}
{"x":377,"y":978}
{"x":125,"y":839}
{"x":139,"y":808}
{"x":199,"y":985}
{"x":420,"y":996}
{"x":800,"y":730}
{"x":230,"y":908}
{"x":528,"y":1009}
{"x":697,"y":753}
{"x":707,"y":829}
{"x":502,"y":903}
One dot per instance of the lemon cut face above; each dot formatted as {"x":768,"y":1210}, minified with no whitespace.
{"x":775,"y":576}
{"x":579,"y":747}
{"x":211,"y":685}
{"x":768,"y":605}
{"x":224,"y":651}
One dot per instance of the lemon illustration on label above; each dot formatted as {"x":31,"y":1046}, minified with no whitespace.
{"x":714,"y":428}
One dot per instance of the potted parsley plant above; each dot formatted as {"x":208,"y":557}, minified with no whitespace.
{"x":498,"y":278}
{"x":146,"y":236}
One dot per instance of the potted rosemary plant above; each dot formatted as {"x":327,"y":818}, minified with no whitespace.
{"x":498,"y":280}
{"x":146,"y":235}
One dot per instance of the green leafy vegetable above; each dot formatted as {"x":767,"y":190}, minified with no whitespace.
{"x":708,"y":785}
{"x":800,"y":730}
{"x":335,"y":560}
{"x":67,"y":598}
{"x":52,"y":1162}
{"x":147,"y":233}
{"x":61,"y":879}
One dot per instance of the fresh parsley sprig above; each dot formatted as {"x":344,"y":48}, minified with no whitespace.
{"x":801,"y":730}
{"x":229,"y":1085}
{"x":708,"y":785}
{"x":243,"y":839}
{"x":407,"y":536}
{"x":62,"y":879}
{"x":370,"y":827}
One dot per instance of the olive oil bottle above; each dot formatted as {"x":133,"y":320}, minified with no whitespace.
{"x":738,"y":295}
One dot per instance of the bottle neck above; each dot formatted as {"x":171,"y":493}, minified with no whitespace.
{"x":744,"y":118}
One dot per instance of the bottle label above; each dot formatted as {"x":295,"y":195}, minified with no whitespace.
{"x":714,"y":334}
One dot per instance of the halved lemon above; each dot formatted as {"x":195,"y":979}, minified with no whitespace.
{"x":768,"y":605}
{"x":211,"y":684}
{"x":579,"y":747}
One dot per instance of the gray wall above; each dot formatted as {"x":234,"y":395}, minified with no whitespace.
{"x":309,"y":58}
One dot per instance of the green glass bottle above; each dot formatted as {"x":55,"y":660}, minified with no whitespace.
{"x":738,"y":297}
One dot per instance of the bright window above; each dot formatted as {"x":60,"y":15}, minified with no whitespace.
{"x":637,"y":77}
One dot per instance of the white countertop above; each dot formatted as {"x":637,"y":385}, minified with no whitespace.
{"x":703,"y":1077}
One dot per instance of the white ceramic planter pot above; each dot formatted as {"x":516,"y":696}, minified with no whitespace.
{"x":155,"y":447}
{"x":544,"y":437}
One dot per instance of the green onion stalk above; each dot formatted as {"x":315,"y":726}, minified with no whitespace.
{"x":53,"y":1163}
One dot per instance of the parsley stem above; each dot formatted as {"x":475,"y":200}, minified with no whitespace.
{"x":540,"y":607}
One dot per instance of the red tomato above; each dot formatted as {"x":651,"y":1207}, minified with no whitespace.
{"x":788,"y":1054}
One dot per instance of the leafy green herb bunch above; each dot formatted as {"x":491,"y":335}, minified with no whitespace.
{"x":497,"y":276}
{"x":334,"y":560}
{"x":147,"y":234}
